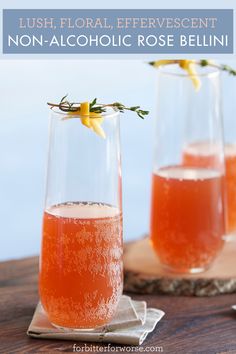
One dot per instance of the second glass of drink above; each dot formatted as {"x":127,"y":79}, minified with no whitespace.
{"x":188,"y":197}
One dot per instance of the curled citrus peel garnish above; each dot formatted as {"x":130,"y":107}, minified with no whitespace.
{"x":91,"y":120}
{"x":188,"y":65}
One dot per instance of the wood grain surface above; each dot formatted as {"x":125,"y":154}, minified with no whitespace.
{"x":191,"y":324}
{"x":144,"y":274}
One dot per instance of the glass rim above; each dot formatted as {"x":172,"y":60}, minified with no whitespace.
{"x":109,"y":113}
{"x":163,"y":69}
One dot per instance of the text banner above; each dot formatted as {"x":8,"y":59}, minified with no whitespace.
{"x":117,"y":31}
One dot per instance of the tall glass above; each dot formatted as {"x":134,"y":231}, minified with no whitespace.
{"x":229,"y":109}
{"x":187,"y":211}
{"x":81,"y":276}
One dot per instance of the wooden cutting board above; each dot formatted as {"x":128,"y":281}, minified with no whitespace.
{"x":144,"y":274}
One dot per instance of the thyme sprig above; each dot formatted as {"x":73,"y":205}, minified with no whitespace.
{"x":203,"y":63}
{"x":66,"y":106}
{"x":222,"y":67}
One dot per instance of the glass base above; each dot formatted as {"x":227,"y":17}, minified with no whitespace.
{"x":68,"y":329}
{"x":184,"y":271}
{"x":229,"y":237}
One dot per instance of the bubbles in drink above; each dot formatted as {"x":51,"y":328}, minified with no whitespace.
{"x":187,"y":217}
{"x":81,"y":264}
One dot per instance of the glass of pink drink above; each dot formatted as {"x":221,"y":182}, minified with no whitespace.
{"x":187,"y":204}
{"x":201,"y":154}
{"x":81,"y":268}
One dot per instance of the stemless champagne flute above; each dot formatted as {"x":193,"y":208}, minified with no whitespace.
{"x":229,"y":109}
{"x":188,"y":198}
{"x":81,"y":276}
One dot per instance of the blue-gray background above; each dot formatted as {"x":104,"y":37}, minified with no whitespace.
{"x":25,"y":87}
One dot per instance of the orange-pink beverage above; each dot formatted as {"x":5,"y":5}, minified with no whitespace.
{"x":187,"y":217}
{"x":199,"y":154}
{"x":230,"y":163}
{"x":81,"y":277}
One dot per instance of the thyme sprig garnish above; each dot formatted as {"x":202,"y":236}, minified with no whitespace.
{"x":202,"y":62}
{"x":66,"y":106}
{"x":190,"y":67}
{"x":222,"y":67}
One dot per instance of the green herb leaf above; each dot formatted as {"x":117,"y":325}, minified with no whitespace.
{"x":66,"y":106}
